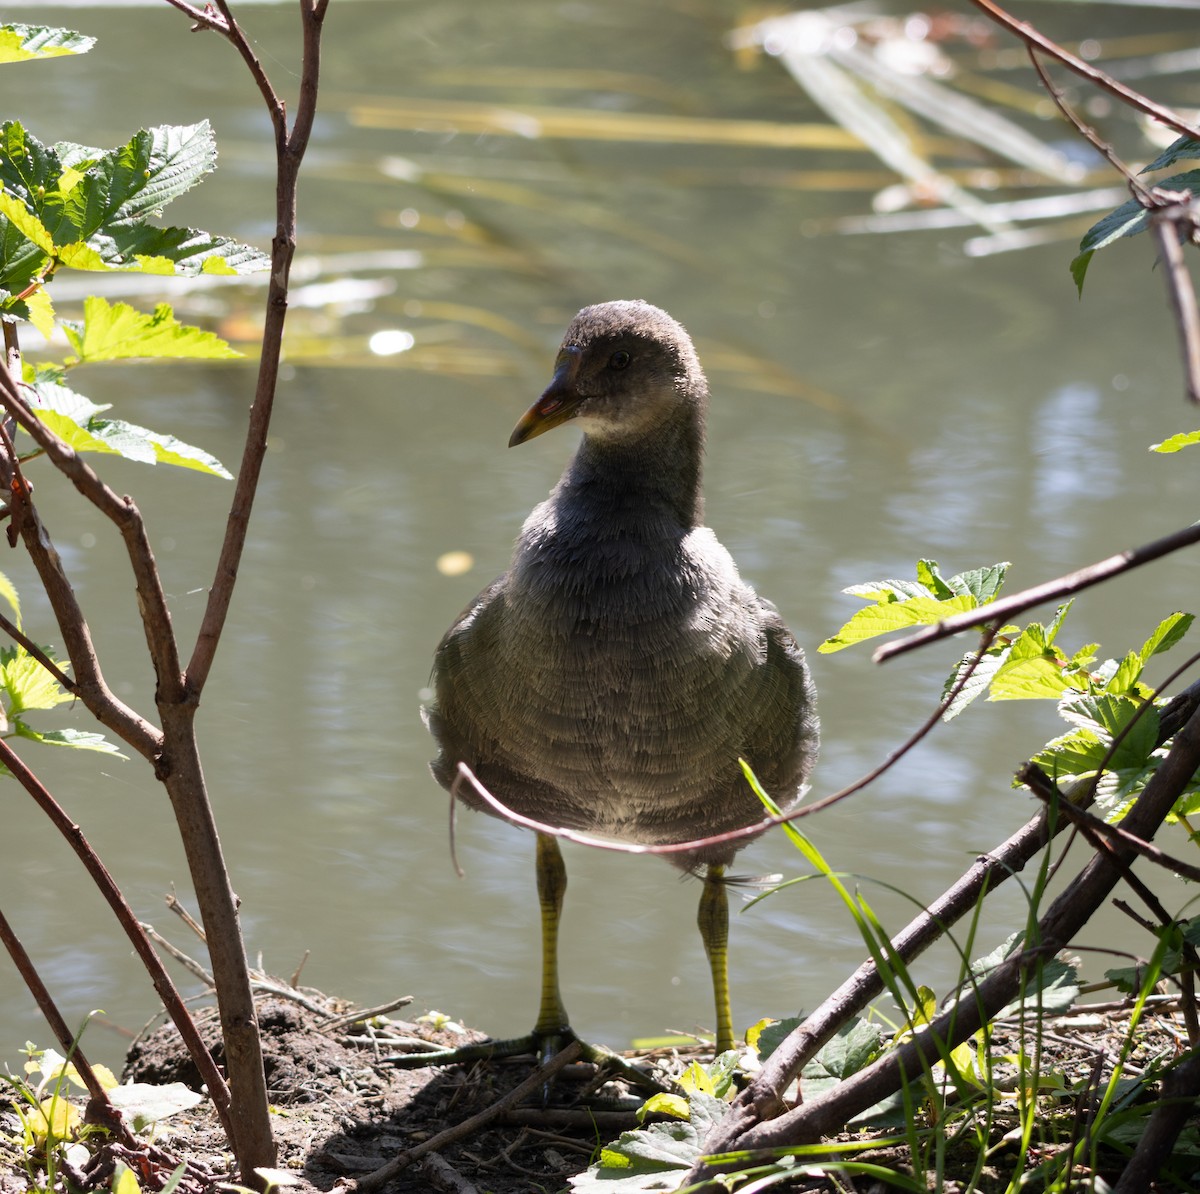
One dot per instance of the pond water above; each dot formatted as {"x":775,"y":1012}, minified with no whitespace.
{"x":877,"y":399}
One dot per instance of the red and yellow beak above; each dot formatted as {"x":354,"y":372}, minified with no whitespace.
{"x":558,"y":402}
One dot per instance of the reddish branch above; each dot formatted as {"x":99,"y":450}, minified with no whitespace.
{"x":217,"y":1089}
{"x":100,"y":1108}
{"x":289,"y":148}
{"x":1039,"y":41}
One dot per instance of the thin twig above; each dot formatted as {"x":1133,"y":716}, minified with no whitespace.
{"x":185,"y":960}
{"x":1031,"y":37}
{"x":31,"y":648}
{"x":100,"y":1109}
{"x":500,"y":809}
{"x":1089,"y":134}
{"x":217,"y":1089}
{"x":380,"y":1177}
{"x":1036,"y":780}
{"x":1165,"y":223}
{"x":289,"y":149}
{"x":366,"y":1013}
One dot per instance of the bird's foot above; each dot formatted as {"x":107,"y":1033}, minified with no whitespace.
{"x":541,"y":1045}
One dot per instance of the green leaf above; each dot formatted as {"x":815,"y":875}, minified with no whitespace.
{"x":79,"y":739}
{"x":1126,"y":675}
{"x":41,"y":311}
{"x":1169,"y":631}
{"x":26,"y":223}
{"x":75,"y":419}
{"x":982,"y":583}
{"x":1180,"y":149}
{"x":117,"y":331}
{"x":654,"y":1157}
{"x":96,"y":205}
{"x":895,"y":615}
{"x":773,"y":1034}
{"x":929,"y":576}
{"x":1184,"y":439}
{"x":8,"y":591}
{"x":27,"y":684}
{"x":890,"y":590}
{"x":1105,"y":716}
{"x":664,"y":1103}
{"x":1127,"y":220}
{"x":23,"y":43}
{"x":1034,"y":669}
{"x":979,"y":681}
{"x":852,"y":1048}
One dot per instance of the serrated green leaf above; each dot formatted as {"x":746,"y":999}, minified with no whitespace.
{"x":1079,"y":752}
{"x":95,"y":205}
{"x":78,"y":739}
{"x":8,"y":592}
{"x":852,"y":1048}
{"x":27,"y":684}
{"x":929,"y":576}
{"x":1184,"y":439}
{"x":1168,"y":632}
{"x":41,"y":311}
{"x":653,"y":1158}
{"x":895,"y":615}
{"x":1127,"y":220}
{"x":978,"y":682}
{"x":117,"y":331}
{"x":982,"y":583}
{"x":25,"y":222}
{"x":889,"y":590}
{"x":75,"y":419}
{"x":1126,"y":676}
{"x":1030,"y":679}
{"x":1060,"y":616}
{"x":23,"y":43}
{"x":1079,"y":267}
{"x":1181,"y":149}
{"x":1106,"y":715}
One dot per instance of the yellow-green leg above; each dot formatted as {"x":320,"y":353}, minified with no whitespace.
{"x":714,"y":930}
{"x":552,"y":886}
{"x":552,"y":1031}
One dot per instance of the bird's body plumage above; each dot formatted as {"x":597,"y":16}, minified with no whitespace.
{"x":610,"y":680}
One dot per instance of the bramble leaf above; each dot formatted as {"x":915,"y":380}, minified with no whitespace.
{"x":1168,"y":632}
{"x":1182,"y":148}
{"x":75,"y":419}
{"x":117,"y":331}
{"x":895,"y":615}
{"x":24,"y":43}
{"x":89,"y":209}
{"x":1127,"y":220}
{"x":1174,"y":443}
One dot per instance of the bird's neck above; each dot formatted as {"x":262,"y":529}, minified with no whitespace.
{"x":639,"y":477}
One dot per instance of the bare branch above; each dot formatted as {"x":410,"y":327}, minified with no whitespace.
{"x":1166,"y":221}
{"x":217,"y":1089}
{"x":1031,"y":37}
{"x":156,"y":617}
{"x":289,"y":151}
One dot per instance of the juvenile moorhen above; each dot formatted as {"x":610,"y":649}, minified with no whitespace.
{"x":610,"y":680}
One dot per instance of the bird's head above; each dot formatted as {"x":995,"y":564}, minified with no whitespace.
{"x":624,"y":369}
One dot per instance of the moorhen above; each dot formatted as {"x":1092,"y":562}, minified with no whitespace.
{"x":612,"y":678}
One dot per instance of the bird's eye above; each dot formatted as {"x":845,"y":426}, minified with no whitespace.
{"x":619,"y":360}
